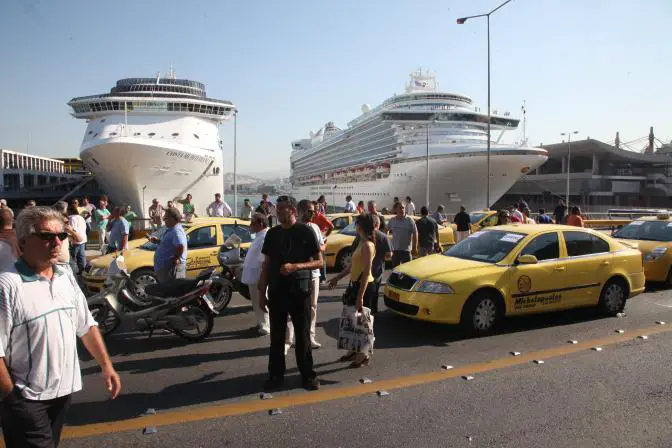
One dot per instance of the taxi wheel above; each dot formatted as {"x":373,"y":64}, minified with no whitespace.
{"x":613,"y":297}
{"x":140,"y":278}
{"x":344,"y":259}
{"x":482,"y":313}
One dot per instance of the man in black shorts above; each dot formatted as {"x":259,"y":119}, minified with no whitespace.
{"x":291,"y":251}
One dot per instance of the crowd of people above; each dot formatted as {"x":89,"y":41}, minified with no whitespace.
{"x":520,"y":213}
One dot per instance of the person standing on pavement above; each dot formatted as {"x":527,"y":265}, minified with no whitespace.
{"x":246,"y":210}
{"x":9,"y":245}
{"x":170,"y":258}
{"x":528,"y":218}
{"x":119,"y":229}
{"x":350,"y":206}
{"x":543,"y":218}
{"x":100,"y":218}
{"x":62,"y":208}
{"x":516,"y":211}
{"x":559,"y":212}
{"x":439,"y":215}
{"x":306,"y":210}
{"x":404,"y":236}
{"x":42,"y":313}
{"x":410,"y":206}
{"x":428,"y":233}
{"x":188,"y":208}
{"x":383,"y":250}
{"x":291,"y":253}
{"x":326,"y":227}
{"x":360,"y":207}
{"x":78,"y":239}
{"x":130,"y":216}
{"x":87,"y":209}
{"x":155,"y":214}
{"x":371,"y":206}
{"x":252,"y":271}
{"x":219,"y":208}
{"x":463,"y":222}
{"x":575,"y":219}
{"x":322,"y":205}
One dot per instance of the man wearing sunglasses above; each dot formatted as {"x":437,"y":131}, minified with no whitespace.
{"x":42,"y":312}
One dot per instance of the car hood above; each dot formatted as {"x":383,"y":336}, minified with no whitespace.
{"x":339,"y":239}
{"x":132,"y":257}
{"x":642,"y":245}
{"x":434,"y":267}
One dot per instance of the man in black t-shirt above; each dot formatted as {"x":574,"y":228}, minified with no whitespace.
{"x":291,"y":251}
{"x":428,"y":233}
{"x":463,"y":223}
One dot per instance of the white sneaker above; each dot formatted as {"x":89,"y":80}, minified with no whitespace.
{"x":314,"y":344}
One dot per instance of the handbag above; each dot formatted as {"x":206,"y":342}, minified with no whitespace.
{"x":349,"y":296}
{"x":355,"y":330}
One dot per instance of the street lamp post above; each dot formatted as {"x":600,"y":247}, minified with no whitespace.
{"x":460,"y":21}
{"x":569,"y":160}
{"x":235,"y":161}
{"x":427,"y":170}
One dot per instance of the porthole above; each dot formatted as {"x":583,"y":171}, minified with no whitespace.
{"x":102,"y":121}
{"x":152,"y":134}
{"x":195,"y":135}
{"x":175,"y":134}
{"x":95,"y":135}
{"x":112,"y":133}
{"x":136,"y":134}
{"x":90,"y":132}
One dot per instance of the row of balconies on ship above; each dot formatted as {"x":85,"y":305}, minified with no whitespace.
{"x":592,"y":184}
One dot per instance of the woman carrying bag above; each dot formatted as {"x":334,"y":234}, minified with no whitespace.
{"x":357,"y":329}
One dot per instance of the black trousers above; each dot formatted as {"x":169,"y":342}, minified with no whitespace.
{"x":399,"y":257}
{"x":30,"y":423}
{"x":370,"y":295}
{"x":294,"y":301}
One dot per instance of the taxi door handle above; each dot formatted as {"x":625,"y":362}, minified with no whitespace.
{"x":560,"y":268}
{"x":605,"y":263}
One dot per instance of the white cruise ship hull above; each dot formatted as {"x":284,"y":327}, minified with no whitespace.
{"x":134,"y":171}
{"x":456,"y":177}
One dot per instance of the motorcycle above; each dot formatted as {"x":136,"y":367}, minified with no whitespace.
{"x":230,"y":257}
{"x":180,"y":306}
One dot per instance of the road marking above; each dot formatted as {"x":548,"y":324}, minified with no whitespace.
{"x":328,"y":394}
{"x":666,"y":306}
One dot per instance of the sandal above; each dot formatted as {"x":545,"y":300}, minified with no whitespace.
{"x":348,"y":357}
{"x":363,"y":362}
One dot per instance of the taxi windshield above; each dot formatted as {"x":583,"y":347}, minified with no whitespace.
{"x":476,"y":217}
{"x":646,"y":231}
{"x":349,"y":230}
{"x":489,"y":246}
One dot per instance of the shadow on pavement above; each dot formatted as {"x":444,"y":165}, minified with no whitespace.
{"x":198,"y":392}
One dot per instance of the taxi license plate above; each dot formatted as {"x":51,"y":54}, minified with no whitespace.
{"x":393,"y":295}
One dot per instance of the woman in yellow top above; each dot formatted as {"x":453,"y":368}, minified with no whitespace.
{"x":363,"y":283}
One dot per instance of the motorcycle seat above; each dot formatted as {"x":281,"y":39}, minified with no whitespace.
{"x":172,"y":288}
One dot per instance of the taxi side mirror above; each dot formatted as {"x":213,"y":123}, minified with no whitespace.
{"x":527,"y":259}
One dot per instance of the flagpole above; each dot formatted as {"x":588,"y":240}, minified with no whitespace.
{"x":125,"y":119}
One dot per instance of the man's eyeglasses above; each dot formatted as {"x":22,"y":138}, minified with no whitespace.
{"x":49,"y":236}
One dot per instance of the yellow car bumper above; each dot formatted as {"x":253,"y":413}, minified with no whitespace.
{"x":441,"y":308}
{"x":656,"y":271}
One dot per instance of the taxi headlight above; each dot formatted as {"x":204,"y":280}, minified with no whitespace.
{"x":98,"y":272}
{"x":435,"y":288}
{"x":655,"y":254}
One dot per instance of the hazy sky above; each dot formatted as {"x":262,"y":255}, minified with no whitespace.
{"x":597,"y":66}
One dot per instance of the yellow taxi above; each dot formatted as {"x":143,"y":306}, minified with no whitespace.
{"x":482,"y":219}
{"x":652,"y":235}
{"x":204,"y":237}
{"x":339,"y":251}
{"x":515,"y":270}
{"x":341,"y":220}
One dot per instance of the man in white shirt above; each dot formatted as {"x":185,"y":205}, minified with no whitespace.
{"x":306,"y":211}
{"x":219,"y":208}
{"x":77,"y":239}
{"x":410,"y":206}
{"x":252,"y":271}
{"x":42,"y":312}
{"x":350,"y":206}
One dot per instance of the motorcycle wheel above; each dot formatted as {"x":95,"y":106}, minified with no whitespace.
{"x":206,"y":322}
{"x":105,"y":318}
{"x":221,"y":296}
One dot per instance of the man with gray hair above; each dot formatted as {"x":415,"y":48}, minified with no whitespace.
{"x":9,"y":245}
{"x":42,"y":312}
{"x":170,"y":258}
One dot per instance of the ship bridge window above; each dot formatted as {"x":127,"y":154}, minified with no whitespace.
{"x":175,"y":134}
{"x":113,"y":133}
{"x":95,"y":135}
{"x":136,"y":134}
{"x":152,"y":134}
{"x":102,"y":121}
{"x":195,"y":135}
{"x":90,"y":132}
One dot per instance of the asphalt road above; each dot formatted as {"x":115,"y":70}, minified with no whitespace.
{"x":207,"y":394}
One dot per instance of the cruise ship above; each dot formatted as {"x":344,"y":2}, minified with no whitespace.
{"x":390,"y":150}
{"x":154,"y":138}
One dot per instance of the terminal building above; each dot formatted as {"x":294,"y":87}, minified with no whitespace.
{"x":46,"y":180}
{"x":601,"y":177}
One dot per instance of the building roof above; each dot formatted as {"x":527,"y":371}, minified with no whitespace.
{"x":591,"y":146}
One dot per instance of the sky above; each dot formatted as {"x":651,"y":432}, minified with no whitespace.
{"x":597,"y":66}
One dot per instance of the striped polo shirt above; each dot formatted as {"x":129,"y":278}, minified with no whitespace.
{"x":40,"y":320}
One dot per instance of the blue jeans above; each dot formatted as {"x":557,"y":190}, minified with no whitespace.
{"x":78,"y":257}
